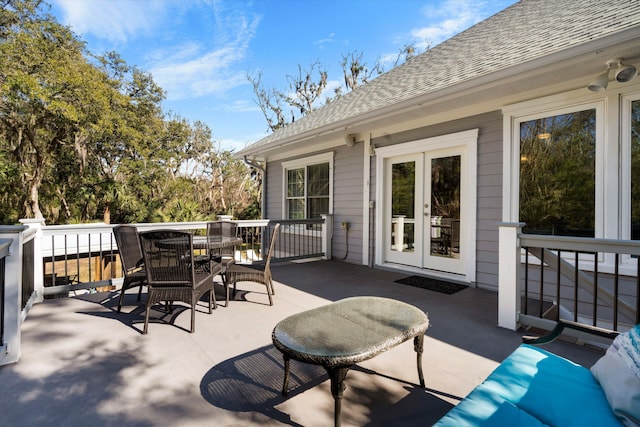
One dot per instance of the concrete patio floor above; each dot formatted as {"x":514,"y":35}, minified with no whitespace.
{"x":85,"y":364}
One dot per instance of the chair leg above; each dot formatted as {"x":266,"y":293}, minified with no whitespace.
{"x":140,"y":291}
{"x":226,"y":291}
{"x":269,"y":293}
{"x":124,"y":288}
{"x":120,"y":299}
{"x":193,"y":317}
{"x":146,"y":319}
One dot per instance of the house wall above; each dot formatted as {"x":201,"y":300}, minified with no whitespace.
{"x":489,"y":182}
{"x":348,"y":191}
{"x":347,"y":199}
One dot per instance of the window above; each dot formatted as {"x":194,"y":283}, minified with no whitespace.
{"x":308,"y":187}
{"x":558,"y":174}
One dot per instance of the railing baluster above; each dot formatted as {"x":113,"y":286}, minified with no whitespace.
{"x":526,"y":280}
{"x":541,"y":284}
{"x":575,"y":288}
{"x":637,"y":290}
{"x":615,"y":292}
{"x":53,"y":260}
{"x":595,"y":288}
{"x":558,"y":285}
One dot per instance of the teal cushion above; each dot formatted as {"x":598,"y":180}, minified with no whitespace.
{"x":551,"y":388}
{"x":485,"y":408}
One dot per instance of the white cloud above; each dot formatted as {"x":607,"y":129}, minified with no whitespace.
{"x":241,"y":106}
{"x":327,"y":40}
{"x":447,"y":20}
{"x":112,"y":20}
{"x":195,"y":70}
{"x":237,"y":144}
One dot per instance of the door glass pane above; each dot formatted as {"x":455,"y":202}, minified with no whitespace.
{"x":635,"y":170}
{"x":403,"y":184}
{"x":557,"y":174}
{"x":445,"y":207}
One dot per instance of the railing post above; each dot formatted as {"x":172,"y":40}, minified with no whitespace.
{"x":327,"y":235}
{"x":509,"y":274}
{"x":38,"y":273}
{"x":10,"y":348}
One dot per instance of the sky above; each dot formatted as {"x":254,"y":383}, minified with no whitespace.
{"x":200,"y":51}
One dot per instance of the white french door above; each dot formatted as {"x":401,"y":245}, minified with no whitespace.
{"x":428,"y":206}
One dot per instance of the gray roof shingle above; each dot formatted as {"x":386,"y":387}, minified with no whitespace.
{"x":525,"y":31}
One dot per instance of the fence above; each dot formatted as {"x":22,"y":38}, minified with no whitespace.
{"x":85,"y":257}
{"x":4,"y":251}
{"x":590,"y":281}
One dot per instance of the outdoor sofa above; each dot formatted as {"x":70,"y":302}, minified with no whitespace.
{"x":533,"y":387}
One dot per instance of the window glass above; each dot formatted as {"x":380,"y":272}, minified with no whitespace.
{"x":403,"y":191}
{"x":308,"y":191}
{"x":635,"y":170}
{"x":295,"y":182}
{"x":557,"y":174}
{"x":318,"y":190}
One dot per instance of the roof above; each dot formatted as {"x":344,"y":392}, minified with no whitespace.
{"x":525,"y":31}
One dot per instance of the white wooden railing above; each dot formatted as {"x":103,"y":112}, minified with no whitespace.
{"x":39,"y":261}
{"x":591,"y":281}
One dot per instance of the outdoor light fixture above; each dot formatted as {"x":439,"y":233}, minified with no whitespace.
{"x":349,"y":139}
{"x":601,"y":82}
{"x":625,"y":72}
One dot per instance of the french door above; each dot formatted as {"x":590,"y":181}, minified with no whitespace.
{"x":428,"y":209}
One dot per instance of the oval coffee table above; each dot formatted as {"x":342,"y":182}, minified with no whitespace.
{"x":339,"y":335}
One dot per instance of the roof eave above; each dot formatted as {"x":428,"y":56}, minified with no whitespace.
{"x":596,"y":52}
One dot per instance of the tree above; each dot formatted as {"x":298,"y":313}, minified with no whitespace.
{"x":85,"y":138}
{"x":44,"y":78}
{"x":306,"y":89}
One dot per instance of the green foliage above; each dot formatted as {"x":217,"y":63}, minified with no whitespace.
{"x":84,"y":138}
{"x":557,"y":174}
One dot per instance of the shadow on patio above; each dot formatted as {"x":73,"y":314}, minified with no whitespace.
{"x":85,"y":364}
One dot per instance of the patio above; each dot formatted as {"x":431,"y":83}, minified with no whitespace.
{"x":83,"y":363}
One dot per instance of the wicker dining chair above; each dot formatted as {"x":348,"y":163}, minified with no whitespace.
{"x":259,"y":273}
{"x":131,"y":258}
{"x":225,"y":256}
{"x":172,"y":274}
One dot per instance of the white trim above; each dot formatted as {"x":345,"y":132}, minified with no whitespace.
{"x":427,"y":144}
{"x":366,"y":191}
{"x":540,"y":108}
{"x":625,"y":164}
{"x":311,"y":160}
{"x":468,"y":140}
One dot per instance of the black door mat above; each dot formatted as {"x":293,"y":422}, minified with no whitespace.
{"x":432,"y":284}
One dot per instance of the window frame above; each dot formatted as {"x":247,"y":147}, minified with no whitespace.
{"x":304,"y":163}
{"x":625,"y":163}
{"x":613,"y":162}
{"x":547,"y":107}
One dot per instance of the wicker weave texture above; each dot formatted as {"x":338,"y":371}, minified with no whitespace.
{"x":131,"y":257}
{"x":258,"y":273}
{"x":172,"y":273}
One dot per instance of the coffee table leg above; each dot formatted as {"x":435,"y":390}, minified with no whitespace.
{"x":285,"y":384}
{"x":337,"y":375}
{"x":418,"y":344}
